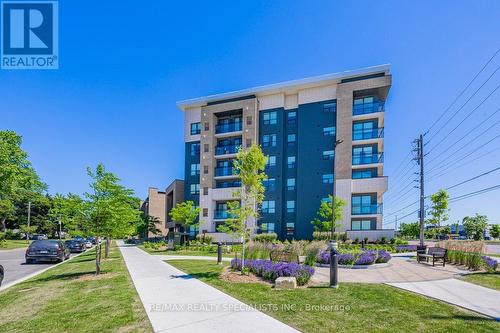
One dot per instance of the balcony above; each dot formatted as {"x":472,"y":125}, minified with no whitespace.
{"x":224,"y":150}
{"x":228,"y":127}
{"x":363,"y":134}
{"x":361,"y":159}
{"x":365,"y":108}
{"x":225,"y":171}
{"x":366,"y":209}
{"x":221,"y":214}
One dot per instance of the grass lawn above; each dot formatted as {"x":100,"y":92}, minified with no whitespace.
{"x":488,"y":280}
{"x":69,"y":298}
{"x":185,"y":252}
{"x":10,"y":244}
{"x":372,"y":307}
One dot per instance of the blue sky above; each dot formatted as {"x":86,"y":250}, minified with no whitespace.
{"x":124,"y":64}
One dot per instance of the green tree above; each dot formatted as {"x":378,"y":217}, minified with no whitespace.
{"x":249,"y":165}
{"x":17,"y":176}
{"x":439,"y":208}
{"x":495,"y":231}
{"x":475,"y":226}
{"x":71,"y":212}
{"x":409,"y":230}
{"x":113,"y":211}
{"x":186,"y":214}
{"x":149,"y":224}
{"x":323,"y":221}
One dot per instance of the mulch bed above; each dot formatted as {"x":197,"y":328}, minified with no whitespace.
{"x":232,"y":276}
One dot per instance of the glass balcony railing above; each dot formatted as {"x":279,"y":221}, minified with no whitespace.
{"x":228,"y":184}
{"x":365,"y":108}
{"x":360,"y":159}
{"x":230,"y":149}
{"x":224,"y":171}
{"x":221,"y":214}
{"x":366,"y":209}
{"x":374,"y":133}
{"x":228,"y":127}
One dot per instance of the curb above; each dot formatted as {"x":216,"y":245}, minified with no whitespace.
{"x":29,"y":276}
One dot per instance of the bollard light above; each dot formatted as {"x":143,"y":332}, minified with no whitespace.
{"x":219,"y":253}
{"x":334,"y":265}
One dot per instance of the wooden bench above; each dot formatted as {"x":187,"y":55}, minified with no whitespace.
{"x":434,"y":253}
{"x":281,"y":256}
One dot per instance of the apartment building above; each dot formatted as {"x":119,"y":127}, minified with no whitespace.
{"x":296,"y":123}
{"x":159,"y":204}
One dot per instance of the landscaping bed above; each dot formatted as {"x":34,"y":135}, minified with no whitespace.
{"x":70,"y":298}
{"x":353,"y":307}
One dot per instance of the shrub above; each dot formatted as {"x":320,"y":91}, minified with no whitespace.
{"x":204,"y":238}
{"x":312,"y":250}
{"x":489,"y":264}
{"x":346,"y":259}
{"x":392,"y":241}
{"x":10,"y":234}
{"x":265,"y":238}
{"x":406,"y":248}
{"x":366,"y":258}
{"x":383,"y":240}
{"x":271,"y":271}
{"x":356,"y":240}
{"x":366,"y":240}
{"x":383,"y":257}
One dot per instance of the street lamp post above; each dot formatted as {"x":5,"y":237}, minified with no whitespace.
{"x":334,"y":176}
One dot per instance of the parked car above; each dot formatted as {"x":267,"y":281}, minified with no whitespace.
{"x":2,"y":274}
{"x":92,"y":239}
{"x":46,"y":250}
{"x":88,"y":244}
{"x":39,"y":237}
{"x":79,"y":238}
{"x":75,"y":246}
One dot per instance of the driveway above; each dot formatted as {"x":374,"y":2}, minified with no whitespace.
{"x":14,"y":265}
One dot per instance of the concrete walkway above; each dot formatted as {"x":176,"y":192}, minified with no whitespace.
{"x":466,"y":295}
{"x":176,"y":302}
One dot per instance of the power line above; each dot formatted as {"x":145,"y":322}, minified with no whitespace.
{"x":473,"y":178}
{"x":464,"y":90}
{"x":472,"y":194}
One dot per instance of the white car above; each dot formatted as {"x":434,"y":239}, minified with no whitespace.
{"x":88,"y":244}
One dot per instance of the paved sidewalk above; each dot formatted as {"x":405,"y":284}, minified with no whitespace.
{"x":176,"y":302}
{"x":466,"y":295}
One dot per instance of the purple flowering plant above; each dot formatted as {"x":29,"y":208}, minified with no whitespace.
{"x":490,"y":264}
{"x":271,"y":271}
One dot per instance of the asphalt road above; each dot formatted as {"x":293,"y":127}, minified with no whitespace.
{"x":15,"y":267}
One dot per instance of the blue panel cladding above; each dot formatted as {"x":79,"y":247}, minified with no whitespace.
{"x":188,"y":179}
{"x":311,"y":142}
{"x":274,"y":171}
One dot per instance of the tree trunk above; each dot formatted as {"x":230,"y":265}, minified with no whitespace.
{"x":107,"y":245}
{"x":2,"y":223}
{"x":98,"y":258}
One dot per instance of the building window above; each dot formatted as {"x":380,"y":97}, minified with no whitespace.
{"x":330,"y":107}
{"x":267,"y":227}
{"x":328,"y":178}
{"x":249,"y":120}
{"x":195,"y":128}
{"x":326,"y":199}
{"x":205,"y":148}
{"x":249,"y":143}
{"x":205,"y":169}
{"x":362,"y":224}
{"x":365,"y":155}
{"x":270,"y":118}
{"x":271,"y":161}
{"x":290,"y":228}
{"x":364,"y":173}
{"x":207,"y":126}
{"x":291,"y":162}
{"x":290,"y":184}
{"x":195,"y":169}
{"x":205,"y":191}
{"x":329,"y":131}
{"x":195,"y":149}
{"x":290,"y":206}
{"x":194,"y":189}
{"x":269,"y":184}
{"x":364,"y":204}
{"x":291,"y":139}
{"x":205,"y":212}
{"x":268,"y":206}
{"x":292,"y":117}
{"x":328,"y":155}
{"x":269,"y":140}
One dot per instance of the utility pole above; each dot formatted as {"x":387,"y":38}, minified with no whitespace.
{"x":335,"y":144}
{"x":420,"y":161}
{"x":29,"y":218}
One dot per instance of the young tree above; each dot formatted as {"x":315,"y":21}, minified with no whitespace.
{"x":439,"y":208}
{"x":149,"y":224}
{"x":249,"y":165}
{"x":324,"y":219}
{"x":186,"y":214}
{"x":475,"y":226}
{"x":113,"y":211}
{"x":17,"y":176}
{"x":495,"y":231}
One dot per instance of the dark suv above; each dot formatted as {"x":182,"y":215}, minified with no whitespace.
{"x":46,"y":250}
{"x":75,"y":246}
